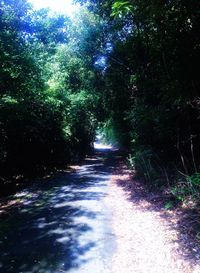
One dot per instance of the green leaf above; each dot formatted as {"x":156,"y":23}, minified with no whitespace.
{"x":120,"y":8}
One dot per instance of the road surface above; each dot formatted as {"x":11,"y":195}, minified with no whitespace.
{"x":62,"y":226}
{"x":84,"y":221}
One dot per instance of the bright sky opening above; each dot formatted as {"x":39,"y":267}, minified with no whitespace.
{"x":60,"y":6}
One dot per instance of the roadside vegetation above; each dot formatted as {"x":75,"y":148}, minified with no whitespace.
{"x":129,"y":68}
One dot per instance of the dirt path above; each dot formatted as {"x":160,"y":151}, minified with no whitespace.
{"x":84,"y":221}
{"x":146,"y":242}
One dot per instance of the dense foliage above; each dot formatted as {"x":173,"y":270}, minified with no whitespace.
{"x":130,"y":67}
{"x":159,"y":85}
{"x":151,"y":87}
{"x":46,"y":80}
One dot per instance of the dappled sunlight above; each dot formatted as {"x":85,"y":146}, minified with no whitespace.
{"x":60,"y":224}
{"x":75,"y":167}
{"x":89,"y":90}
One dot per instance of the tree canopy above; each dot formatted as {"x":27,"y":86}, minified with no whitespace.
{"x":128,"y":67}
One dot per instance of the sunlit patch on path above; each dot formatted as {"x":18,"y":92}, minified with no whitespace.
{"x":100,"y":146}
{"x":63,"y":226}
{"x":86,"y":222}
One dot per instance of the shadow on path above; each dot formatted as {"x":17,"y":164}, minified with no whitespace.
{"x":61,"y":225}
